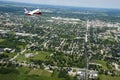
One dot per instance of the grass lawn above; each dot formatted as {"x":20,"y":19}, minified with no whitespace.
{"x":10,"y":76}
{"x":28,"y":74}
{"x":42,"y":56}
{"x":42,"y":78}
{"x":40,"y":72}
{"x":108,"y":77}
{"x":2,"y":40}
{"x":11,"y":44}
{"x":10,"y":55}
{"x":103,"y":63}
{"x":21,"y":58}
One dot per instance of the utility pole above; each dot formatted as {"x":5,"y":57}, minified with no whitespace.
{"x":86,"y":53}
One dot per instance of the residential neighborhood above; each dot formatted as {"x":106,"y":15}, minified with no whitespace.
{"x":55,"y":43}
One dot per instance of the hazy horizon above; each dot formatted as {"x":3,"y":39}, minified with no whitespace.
{"x":76,"y":3}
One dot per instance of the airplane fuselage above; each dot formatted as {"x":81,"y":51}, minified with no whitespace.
{"x":34,"y":12}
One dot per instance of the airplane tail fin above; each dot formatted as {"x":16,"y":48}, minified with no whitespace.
{"x":26,"y":11}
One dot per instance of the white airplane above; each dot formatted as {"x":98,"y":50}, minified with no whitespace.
{"x":34,"y":12}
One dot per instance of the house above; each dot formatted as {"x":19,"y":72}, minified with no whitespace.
{"x":93,"y":74}
{"x":80,"y":75}
{"x":7,"y":49}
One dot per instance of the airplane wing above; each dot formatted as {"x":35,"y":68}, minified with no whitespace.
{"x":34,"y":11}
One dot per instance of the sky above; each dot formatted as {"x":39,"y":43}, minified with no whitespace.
{"x":77,"y":3}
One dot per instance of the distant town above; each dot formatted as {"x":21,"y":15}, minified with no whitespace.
{"x":52,"y":46}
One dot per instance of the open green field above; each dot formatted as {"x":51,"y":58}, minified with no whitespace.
{"x":40,"y":72}
{"x":23,"y":73}
{"x":11,"y":43}
{"x":103,"y":63}
{"x":2,"y":40}
{"x":21,"y":58}
{"x":10,"y":55}
{"x":41,"y":55}
{"x":108,"y":77}
{"x":27,"y":74}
